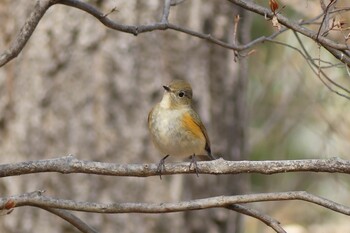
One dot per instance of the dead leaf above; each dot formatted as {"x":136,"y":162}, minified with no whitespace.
{"x":273,"y":5}
{"x":275,"y":23}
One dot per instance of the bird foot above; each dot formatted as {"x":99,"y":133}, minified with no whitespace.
{"x":194,"y":163}
{"x":161,"y":166}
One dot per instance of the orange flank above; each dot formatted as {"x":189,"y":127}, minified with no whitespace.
{"x":192,"y":126}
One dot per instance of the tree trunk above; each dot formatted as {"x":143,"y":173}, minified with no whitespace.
{"x":79,"y":88}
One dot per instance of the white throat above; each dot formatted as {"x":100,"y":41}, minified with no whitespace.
{"x":165,"y":103}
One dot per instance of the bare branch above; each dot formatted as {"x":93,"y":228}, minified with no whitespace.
{"x":70,"y":164}
{"x":166,"y":11}
{"x":40,"y":9}
{"x":340,"y":10}
{"x":26,"y":31}
{"x":324,"y":24}
{"x":319,"y":71}
{"x":39,"y":200}
{"x":71,"y":218}
{"x":251,"y":6}
{"x":269,"y":221}
{"x":42,"y":6}
{"x":337,"y":49}
{"x":114,"y":9}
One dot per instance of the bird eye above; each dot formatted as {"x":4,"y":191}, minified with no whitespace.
{"x":181,"y":94}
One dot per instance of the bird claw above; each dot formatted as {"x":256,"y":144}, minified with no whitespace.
{"x":161,"y":166}
{"x":194,"y":162}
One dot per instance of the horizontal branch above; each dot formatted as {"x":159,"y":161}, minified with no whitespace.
{"x":161,"y":25}
{"x":39,"y":200}
{"x":70,"y":164}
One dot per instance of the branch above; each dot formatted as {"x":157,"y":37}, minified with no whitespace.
{"x":42,"y":6}
{"x":269,"y":221}
{"x":166,"y":11}
{"x":70,"y":164}
{"x":327,"y":43}
{"x":135,"y":30}
{"x":26,"y":31}
{"x":340,"y":51}
{"x":248,"y":5}
{"x":37,"y":199}
{"x":8,"y":204}
{"x":311,"y":63}
{"x":71,"y":218}
{"x":325,"y":19}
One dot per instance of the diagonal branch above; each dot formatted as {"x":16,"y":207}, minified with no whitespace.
{"x":312,"y":62}
{"x":269,"y":221}
{"x":70,"y":164}
{"x":26,"y":31}
{"x":42,"y":6}
{"x":71,"y":218}
{"x":325,"y":18}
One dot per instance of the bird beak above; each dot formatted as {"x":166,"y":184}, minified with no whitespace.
{"x":166,"y":88}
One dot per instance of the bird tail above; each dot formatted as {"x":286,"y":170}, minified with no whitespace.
{"x":211,"y":156}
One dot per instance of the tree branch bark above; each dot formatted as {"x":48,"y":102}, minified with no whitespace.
{"x":72,"y":219}
{"x":37,"y":199}
{"x":42,"y":6}
{"x":26,"y":31}
{"x":70,"y":164}
{"x":337,"y":49}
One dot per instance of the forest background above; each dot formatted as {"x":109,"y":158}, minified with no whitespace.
{"x":81,"y":88}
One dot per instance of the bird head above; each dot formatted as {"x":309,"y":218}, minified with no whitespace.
{"x":177,"y":94}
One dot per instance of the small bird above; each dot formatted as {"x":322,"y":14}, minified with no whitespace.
{"x":176,"y":128}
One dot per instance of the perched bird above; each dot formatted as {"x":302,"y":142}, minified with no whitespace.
{"x":176,"y":128}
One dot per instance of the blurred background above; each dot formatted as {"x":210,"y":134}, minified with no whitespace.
{"x":80,"y":88}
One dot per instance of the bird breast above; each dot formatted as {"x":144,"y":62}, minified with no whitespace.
{"x":170,"y":135}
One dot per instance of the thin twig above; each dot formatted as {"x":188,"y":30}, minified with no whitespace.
{"x":166,"y":11}
{"x":235,"y":37}
{"x":114,"y":9}
{"x":325,"y":16}
{"x":251,"y":6}
{"x":320,"y":71}
{"x":340,"y":10}
{"x":312,"y":64}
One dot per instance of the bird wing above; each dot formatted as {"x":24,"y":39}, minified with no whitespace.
{"x":193,"y":121}
{"x":149,"y":117}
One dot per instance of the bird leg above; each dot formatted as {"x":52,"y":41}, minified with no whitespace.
{"x":194,"y":162}
{"x":161,"y":166}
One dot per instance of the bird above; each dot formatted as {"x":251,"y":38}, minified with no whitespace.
{"x":175,"y":128}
